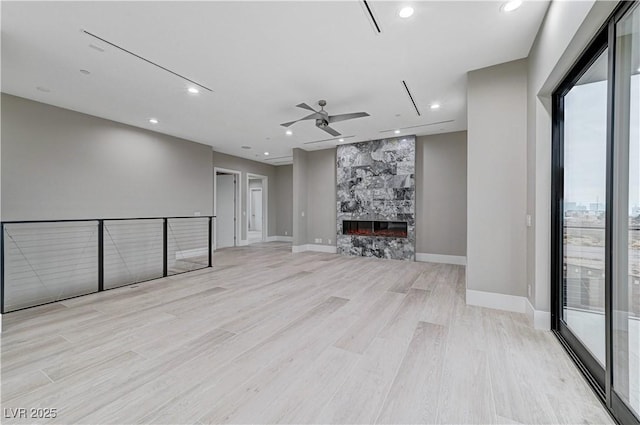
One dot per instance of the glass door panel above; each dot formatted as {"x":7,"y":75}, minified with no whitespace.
{"x":626,"y":271}
{"x":585,"y":153}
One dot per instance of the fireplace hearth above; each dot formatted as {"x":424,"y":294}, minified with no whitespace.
{"x":388,"y":229}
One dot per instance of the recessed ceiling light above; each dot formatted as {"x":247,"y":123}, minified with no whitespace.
{"x":266,"y":154}
{"x":289,"y":132}
{"x":397,"y":131}
{"x":85,"y":72}
{"x":245,"y":147}
{"x":405,"y":12}
{"x":43,"y":89}
{"x":193,"y":90}
{"x":512,"y":5}
{"x":435,"y":106}
{"x":153,"y":121}
{"x":341,"y":140}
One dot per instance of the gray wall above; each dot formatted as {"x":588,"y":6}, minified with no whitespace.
{"x":255,"y":183}
{"x":553,"y":53}
{"x":284,"y":199}
{"x":225,"y":211}
{"x":314,"y":194}
{"x":299,"y":197}
{"x":497,"y":179}
{"x":60,"y":164}
{"x":245,"y":167}
{"x":441,"y":194}
{"x":321,"y":196}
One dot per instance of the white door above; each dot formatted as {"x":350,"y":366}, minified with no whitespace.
{"x":225,"y":210}
{"x":256,"y":210}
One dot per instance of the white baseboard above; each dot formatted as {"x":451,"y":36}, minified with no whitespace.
{"x":444,"y":259}
{"x":330,"y":249}
{"x":497,"y":301}
{"x":243,"y":242}
{"x":280,"y":239}
{"x":539,"y":319}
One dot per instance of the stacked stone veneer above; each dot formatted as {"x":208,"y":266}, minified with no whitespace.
{"x":376,"y":181}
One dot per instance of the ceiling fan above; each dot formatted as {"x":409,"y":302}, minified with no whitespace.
{"x":323,"y":119}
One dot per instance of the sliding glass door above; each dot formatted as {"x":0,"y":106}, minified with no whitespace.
{"x":584,"y":211}
{"x":626,"y":221}
{"x":596,"y":213}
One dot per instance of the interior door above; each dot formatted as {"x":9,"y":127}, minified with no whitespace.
{"x":256,"y":209}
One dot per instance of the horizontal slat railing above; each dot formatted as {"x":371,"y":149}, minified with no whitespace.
{"x":48,"y":261}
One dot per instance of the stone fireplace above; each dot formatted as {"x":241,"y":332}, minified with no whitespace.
{"x":376,"y":198}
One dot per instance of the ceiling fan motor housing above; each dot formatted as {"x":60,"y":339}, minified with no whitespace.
{"x":322,"y":123}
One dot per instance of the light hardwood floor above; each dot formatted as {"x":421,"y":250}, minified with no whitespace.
{"x":267,"y":336}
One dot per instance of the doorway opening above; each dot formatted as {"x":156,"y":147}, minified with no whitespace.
{"x":256,"y":208}
{"x":226,"y":208}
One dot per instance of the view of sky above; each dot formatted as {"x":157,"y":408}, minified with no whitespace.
{"x":585,"y":143}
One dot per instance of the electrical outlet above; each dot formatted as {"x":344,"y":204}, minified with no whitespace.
{"x":329,"y":241}
{"x":197,"y":213}
{"x":529,"y":220}
{"x":318,"y":240}
{"x":286,"y":233}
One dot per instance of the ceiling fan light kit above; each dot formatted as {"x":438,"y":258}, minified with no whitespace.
{"x":323,"y":119}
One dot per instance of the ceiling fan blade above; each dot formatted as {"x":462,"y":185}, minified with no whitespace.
{"x":305,"y":106}
{"x":344,"y":117}
{"x":330,"y":130}
{"x":315,"y":115}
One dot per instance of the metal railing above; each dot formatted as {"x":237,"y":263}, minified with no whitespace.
{"x":584,"y":268}
{"x":47,"y":261}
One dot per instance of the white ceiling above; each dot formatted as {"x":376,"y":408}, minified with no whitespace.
{"x":260,"y":59}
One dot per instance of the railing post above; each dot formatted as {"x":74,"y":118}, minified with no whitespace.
{"x":210,"y":240}
{"x":100,"y":255}
{"x":165,"y":252}
{"x":2,"y":269}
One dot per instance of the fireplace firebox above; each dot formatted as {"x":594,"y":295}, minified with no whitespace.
{"x":390,"y":229}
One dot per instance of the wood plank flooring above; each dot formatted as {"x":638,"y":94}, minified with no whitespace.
{"x":267,"y":336}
